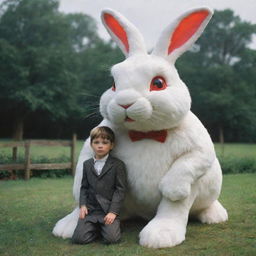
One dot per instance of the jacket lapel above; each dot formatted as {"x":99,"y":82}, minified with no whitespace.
{"x":106,"y":167}
{"x":92,"y":167}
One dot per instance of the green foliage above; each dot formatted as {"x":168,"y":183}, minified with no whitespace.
{"x":54,"y":68}
{"x":54,"y":65}
{"x":226,"y":37}
{"x":41,"y":48}
{"x":29,"y":211}
{"x":96,"y":63}
{"x":6,"y":159}
{"x":232,"y":165}
{"x":234,"y":158}
{"x":221,"y":77}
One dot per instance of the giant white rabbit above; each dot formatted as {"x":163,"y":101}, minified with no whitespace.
{"x":172,"y":169}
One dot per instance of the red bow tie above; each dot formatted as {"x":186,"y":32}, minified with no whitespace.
{"x":154,"y":135}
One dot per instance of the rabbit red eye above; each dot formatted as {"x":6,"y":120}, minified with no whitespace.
{"x":158,"y":83}
{"x":114,"y":87}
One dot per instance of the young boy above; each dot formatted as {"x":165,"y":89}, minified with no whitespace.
{"x":102,"y":191}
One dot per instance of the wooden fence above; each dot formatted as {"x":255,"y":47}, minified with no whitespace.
{"x":27,"y":166}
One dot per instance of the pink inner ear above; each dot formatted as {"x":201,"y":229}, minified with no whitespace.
{"x":186,"y":29}
{"x":117,"y":29}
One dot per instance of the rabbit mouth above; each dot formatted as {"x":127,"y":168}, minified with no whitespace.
{"x":128,"y":119}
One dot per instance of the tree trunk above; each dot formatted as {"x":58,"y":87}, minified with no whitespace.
{"x":18,"y":128}
{"x":221,"y":139}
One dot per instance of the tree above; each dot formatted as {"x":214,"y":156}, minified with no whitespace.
{"x":39,"y":59}
{"x":220,"y":95}
{"x":96,"y":63}
{"x":225,"y":38}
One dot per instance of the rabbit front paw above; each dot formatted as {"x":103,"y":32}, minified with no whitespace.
{"x":174,"y":190}
{"x":163,"y":232}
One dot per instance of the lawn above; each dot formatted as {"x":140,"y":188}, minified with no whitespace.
{"x":239,"y":150}
{"x":234,"y":158}
{"x":29,"y":210}
{"x":49,"y":152}
{"x":229,"y":150}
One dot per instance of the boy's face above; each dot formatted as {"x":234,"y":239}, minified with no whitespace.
{"x":101,"y":147}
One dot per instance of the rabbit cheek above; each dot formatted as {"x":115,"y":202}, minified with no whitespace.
{"x":116,"y":114}
{"x":104,"y":101}
{"x":140,"y":110}
{"x":170,"y":107}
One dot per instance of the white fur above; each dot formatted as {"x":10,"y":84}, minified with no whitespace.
{"x":136,"y":41}
{"x":170,"y":180}
{"x":164,"y":40}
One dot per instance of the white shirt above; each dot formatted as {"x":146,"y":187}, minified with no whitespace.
{"x":99,"y":163}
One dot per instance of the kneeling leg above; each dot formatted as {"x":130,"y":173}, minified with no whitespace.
{"x":85,"y":232}
{"x":111,"y":233}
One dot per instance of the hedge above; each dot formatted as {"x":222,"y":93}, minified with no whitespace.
{"x":230,"y":165}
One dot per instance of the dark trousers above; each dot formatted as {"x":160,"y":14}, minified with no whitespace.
{"x":89,"y":228}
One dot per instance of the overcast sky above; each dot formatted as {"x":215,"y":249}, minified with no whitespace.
{"x":151,"y":16}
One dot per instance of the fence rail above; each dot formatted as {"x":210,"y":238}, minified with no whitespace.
{"x":27,"y":166}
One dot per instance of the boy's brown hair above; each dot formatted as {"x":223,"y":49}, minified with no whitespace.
{"x":103,"y":132}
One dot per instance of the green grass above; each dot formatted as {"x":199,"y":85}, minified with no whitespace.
{"x":230,"y":150}
{"x":47,"y":151}
{"x":29,"y":210}
{"x":237,"y":150}
{"x":234,"y":158}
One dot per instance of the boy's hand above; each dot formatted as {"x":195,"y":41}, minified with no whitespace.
{"x":83,"y":212}
{"x":109,"y":218}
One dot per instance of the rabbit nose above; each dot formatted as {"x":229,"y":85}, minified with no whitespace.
{"x":125,"y":106}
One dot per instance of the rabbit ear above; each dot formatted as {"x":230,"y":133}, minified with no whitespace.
{"x":124,"y":33}
{"x":179,"y":36}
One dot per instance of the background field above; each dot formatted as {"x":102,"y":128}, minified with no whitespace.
{"x":46,"y":151}
{"x":29,"y":210}
{"x":239,"y":150}
{"x":234,"y":158}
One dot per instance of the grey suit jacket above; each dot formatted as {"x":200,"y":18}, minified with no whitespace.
{"x":108,"y":188}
